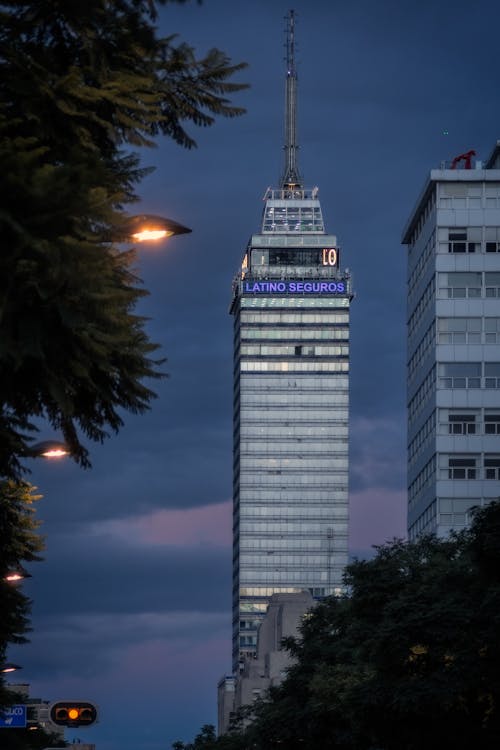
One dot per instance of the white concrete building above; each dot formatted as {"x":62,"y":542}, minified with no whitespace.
{"x":453,"y":239}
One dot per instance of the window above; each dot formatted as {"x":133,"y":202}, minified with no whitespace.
{"x":492,"y":330}
{"x":492,"y":283}
{"x":492,"y":424}
{"x":491,"y":466}
{"x":459,"y":242}
{"x":492,"y":374}
{"x":462,"y":468}
{"x":462,"y":424}
{"x":460,"y":375}
{"x":459,"y":330}
{"x":457,"y":284}
{"x":492,"y":239}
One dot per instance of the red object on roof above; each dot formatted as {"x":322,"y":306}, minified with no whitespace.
{"x":467,"y":157}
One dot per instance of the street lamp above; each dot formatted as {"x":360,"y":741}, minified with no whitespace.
{"x":14,"y":576}
{"x":9,"y":667}
{"x":145,"y":227}
{"x":48,"y":449}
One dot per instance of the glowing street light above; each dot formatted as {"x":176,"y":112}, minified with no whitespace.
{"x":14,"y":576}
{"x":48,"y":449}
{"x":9,"y":667}
{"x":147,"y":227}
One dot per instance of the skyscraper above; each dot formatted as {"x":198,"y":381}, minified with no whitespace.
{"x":291,"y":394}
{"x":453,"y":239}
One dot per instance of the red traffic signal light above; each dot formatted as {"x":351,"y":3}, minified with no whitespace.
{"x":73,"y":713}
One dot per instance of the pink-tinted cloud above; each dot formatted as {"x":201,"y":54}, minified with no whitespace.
{"x":207,"y":525}
{"x":376,"y":516}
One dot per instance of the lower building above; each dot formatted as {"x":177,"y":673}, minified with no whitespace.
{"x":269,"y":666}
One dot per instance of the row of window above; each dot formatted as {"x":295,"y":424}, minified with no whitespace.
{"x":468,"y":284}
{"x":470,"y":466}
{"x":266,"y":318}
{"x":469,"y":375}
{"x":323,"y":481}
{"x":421,"y":396}
{"x":458,"y":285}
{"x":289,"y":303}
{"x":421,"y":307}
{"x":422,"y":479}
{"x":469,"y":203}
{"x":300,"y":545}
{"x":456,"y":422}
{"x":293,"y":350}
{"x":286,"y":333}
{"x":423,"y":216}
{"x":293,"y":219}
{"x":474,"y":330}
{"x":425,"y":345}
{"x":268,"y":591}
{"x":295,"y":432}
{"x":292,"y":398}
{"x":284,"y":527}
{"x":315,"y":366}
{"x":306,"y":511}
{"x":276,"y":383}
{"x":468,"y":423}
{"x":421,"y":264}
{"x":469,"y":240}
{"x":294,"y":446}
{"x":293,"y":495}
{"x":427,"y":429}
{"x":425,"y":523}
{"x":275,"y":418}
{"x":264,"y":561}
{"x":304,"y":577}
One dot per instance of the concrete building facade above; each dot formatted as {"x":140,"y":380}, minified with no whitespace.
{"x":453,"y":367}
{"x":269,"y":666}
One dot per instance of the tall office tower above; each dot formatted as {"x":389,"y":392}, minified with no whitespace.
{"x":453,"y":239}
{"x":291,"y":378}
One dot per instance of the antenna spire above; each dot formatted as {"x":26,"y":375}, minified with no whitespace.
{"x":291,"y":177}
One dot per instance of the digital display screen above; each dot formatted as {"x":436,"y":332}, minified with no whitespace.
{"x":282,"y":256}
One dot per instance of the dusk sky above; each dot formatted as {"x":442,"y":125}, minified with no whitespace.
{"x":132,"y":601}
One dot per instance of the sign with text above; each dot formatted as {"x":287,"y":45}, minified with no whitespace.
{"x":13,"y":717}
{"x":295,"y":287}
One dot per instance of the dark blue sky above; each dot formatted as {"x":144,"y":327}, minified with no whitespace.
{"x":132,"y":602}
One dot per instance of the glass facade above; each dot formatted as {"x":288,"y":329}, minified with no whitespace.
{"x":291,"y":401}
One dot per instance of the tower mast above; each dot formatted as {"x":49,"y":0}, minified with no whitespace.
{"x":291,"y":176}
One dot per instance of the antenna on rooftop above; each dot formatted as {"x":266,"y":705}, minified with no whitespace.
{"x":291,"y":178}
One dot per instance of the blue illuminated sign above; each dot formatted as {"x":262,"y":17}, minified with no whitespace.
{"x":13,"y":716}
{"x":295,"y":287}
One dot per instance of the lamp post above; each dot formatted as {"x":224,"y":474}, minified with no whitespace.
{"x":147,"y":227}
{"x":9,"y":667}
{"x":48,"y":449}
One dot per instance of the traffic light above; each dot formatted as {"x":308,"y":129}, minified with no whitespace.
{"x":73,"y":713}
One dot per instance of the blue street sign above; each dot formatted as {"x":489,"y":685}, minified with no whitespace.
{"x":13,"y":716}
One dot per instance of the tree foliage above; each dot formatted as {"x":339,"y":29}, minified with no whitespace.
{"x":80,"y":83}
{"x":20,"y":543}
{"x":408,"y":660}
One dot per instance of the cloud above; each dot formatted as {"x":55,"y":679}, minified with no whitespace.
{"x":210,"y":525}
{"x":377,"y":515}
{"x":378,"y":452}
